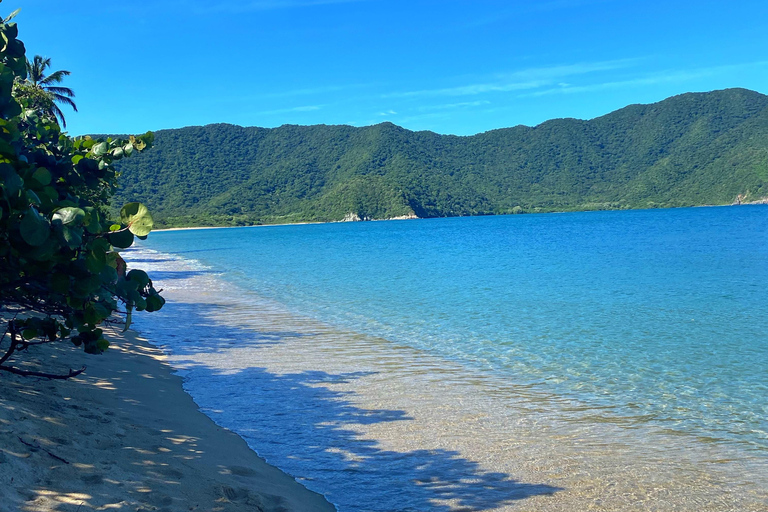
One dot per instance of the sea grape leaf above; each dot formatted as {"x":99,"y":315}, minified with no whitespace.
{"x":137,"y":217}
{"x":60,"y":283}
{"x":42,"y":176}
{"x":121,"y":239}
{"x":100,"y":148}
{"x":10,"y":180}
{"x":139,"y":276}
{"x":68,"y":216}
{"x":34,"y":227}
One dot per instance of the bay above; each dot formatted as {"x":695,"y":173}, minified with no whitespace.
{"x":644,"y":323}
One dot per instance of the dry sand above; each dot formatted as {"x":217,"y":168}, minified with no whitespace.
{"x":124,"y":436}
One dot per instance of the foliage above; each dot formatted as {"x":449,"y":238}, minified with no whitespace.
{"x":692,"y":149}
{"x":39,"y":81}
{"x":60,"y":272}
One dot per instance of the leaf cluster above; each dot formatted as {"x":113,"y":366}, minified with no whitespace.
{"x":60,"y":269}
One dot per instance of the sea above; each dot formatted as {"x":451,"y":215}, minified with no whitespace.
{"x":610,"y":360}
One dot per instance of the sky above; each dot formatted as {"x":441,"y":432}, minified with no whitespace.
{"x":452,"y":67}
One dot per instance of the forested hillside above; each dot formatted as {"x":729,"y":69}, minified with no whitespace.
{"x":692,"y":149}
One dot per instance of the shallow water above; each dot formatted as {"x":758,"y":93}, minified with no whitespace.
{"x":609,"y":361}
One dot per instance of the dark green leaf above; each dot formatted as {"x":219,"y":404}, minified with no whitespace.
{"x":139,"y":276}
{"x":34,"y":228}
{"x":121,"y":239}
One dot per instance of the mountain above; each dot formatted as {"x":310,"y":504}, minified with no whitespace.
{"x":691,"y":149}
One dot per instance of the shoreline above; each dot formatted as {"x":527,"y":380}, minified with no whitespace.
{"x":762,"y":201}
{"x":365,"y":413}
{"x":125,"y":435}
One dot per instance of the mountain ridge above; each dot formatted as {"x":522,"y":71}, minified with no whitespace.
{"x":687,"y":150}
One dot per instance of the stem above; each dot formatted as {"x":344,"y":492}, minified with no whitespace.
{"x":54,"y":376}
{"x":14,"y":341}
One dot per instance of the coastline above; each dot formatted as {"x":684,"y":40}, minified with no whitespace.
{"x":124,"y":435}
{"x":760,"y":201}
{"x":372,"y":421}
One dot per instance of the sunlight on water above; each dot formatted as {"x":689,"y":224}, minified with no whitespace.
{"x":609,"y":360}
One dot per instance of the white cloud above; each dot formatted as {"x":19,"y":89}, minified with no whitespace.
{"x":448,"y":106}
{"x":652,"y":79}
{"x":532,"y":78}
{"x":304,"y":108}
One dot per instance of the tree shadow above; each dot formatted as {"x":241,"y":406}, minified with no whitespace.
{"x":109,"y":440}
{"x":300,"y":423}
{"x":163,"y":275}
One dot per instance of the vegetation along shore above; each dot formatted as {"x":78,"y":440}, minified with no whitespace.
{"x":689,"y":150}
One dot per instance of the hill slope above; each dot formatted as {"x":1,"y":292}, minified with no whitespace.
{"x":692,"y":149}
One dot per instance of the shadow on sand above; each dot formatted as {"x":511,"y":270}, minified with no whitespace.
{"x":298,"y":422}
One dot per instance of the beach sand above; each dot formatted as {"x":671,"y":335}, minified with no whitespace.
{"x":125,"y":436}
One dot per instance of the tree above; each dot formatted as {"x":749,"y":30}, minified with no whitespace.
{"x":38,"y":79}
{"x":61,"y":275}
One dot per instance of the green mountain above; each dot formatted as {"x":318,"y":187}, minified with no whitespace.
{"x":692,"y":149}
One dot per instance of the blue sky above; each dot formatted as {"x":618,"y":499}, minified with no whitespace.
{"x":458,"y":67}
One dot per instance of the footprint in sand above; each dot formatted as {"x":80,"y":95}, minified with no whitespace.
{"x":241,"y":471}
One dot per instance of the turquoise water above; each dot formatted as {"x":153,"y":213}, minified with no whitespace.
{"x":656,"y":317}
{"x":608,"y":361}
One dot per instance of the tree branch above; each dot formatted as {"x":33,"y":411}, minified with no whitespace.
{"x":53,"y":376}
{"x":65,"y":461}
{"x":14,"y":340}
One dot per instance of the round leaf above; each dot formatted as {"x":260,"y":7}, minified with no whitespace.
{"x":34,"y":228}
{"x":68,"y":216}
{"x":100,"y":148}
{"x":42,"y":176}
{"x":121,"y":239}
{"x":139,"y":276}
{"x":137,"y":218}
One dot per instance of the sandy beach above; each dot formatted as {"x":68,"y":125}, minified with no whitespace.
{"x":125,"y":436}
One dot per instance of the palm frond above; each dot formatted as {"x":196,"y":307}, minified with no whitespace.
{"x":60,"y":115}
{"x":12,"y":15}
{"x":62,"y":91}
{"x":36,"y":68}
{"x":63,"y":99}
{"x":55,"y":77}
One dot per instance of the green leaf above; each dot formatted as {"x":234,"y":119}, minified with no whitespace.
{"x":45,"y":251}
{"x":139,"y":276}
{"x":100,"y":148}
{"x":10,"y":180}
{"x":137,"y":217}
{"x":33,"y":198}
{"x":12,"y":15}
{"x":60,"y":283}
{"x":34,"y":228}
{"x":154,"y":303}
{"x":42,"y":176}
{"x":49,"y":194}
{"x":108,"y":274}
{"x":73,"y":236}
{"x":121,"y":239}
{"x":93,"y":220}
{"x":115,"y":227}
{"x":94,"y":264}
{"x":68,"y":216}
